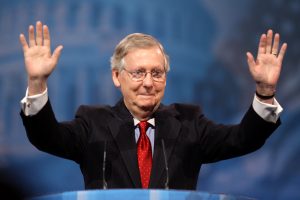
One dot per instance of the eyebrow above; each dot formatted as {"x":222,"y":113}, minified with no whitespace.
{"x":155,"y":68}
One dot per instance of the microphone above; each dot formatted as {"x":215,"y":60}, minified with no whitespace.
{"x":166,"y":164}
{"x":104,"y":184}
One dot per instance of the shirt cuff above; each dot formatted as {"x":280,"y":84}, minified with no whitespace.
{"x":269,"y":112}
{"x":31,"y":105}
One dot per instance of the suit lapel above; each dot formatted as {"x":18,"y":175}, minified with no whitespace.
{"x":167,"y":129}
{"x":122,"y":129}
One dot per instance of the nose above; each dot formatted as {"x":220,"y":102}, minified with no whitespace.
{"x":148,"y":81}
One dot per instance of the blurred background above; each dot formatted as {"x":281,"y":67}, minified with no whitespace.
{"x":207,"y":43}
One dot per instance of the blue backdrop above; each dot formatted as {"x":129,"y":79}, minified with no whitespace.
{"x":206,"y":40}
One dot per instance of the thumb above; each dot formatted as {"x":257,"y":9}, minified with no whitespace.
{"x":57,"y":52}
{"x":250,"y":60}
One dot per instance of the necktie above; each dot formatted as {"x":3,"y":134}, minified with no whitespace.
{"x":144,"y":154}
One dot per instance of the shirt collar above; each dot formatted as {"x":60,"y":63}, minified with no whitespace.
{"x":150,"y":121}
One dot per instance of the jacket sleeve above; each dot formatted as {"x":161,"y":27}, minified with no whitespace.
{"x":218,"y":142}
{"x":67,"y":139}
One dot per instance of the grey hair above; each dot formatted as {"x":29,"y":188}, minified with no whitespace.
{"x":132,"y":41}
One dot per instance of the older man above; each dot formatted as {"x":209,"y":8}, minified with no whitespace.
{"x":139,"y":130}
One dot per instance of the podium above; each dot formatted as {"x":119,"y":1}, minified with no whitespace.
{"x":139,"y":194}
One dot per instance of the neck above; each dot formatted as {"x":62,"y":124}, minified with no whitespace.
{"x":142,"y":116}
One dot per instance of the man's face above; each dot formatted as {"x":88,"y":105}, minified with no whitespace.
{"x":144,"y":95}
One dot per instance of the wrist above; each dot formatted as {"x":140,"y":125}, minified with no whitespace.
{"x":264,"y":90}
{"x":264,"y":97}
{"x":36,"y":86}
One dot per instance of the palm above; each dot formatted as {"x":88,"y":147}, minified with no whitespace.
{"x":266,"y":70}
{"x":38,"y":61}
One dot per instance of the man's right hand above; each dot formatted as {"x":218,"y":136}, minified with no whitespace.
{"x":39,"y":61}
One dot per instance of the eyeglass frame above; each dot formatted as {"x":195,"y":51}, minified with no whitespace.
{"x":163,"y":75}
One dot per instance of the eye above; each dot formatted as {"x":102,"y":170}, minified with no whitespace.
{"x":157,"y":73}
{"x":138,"y":73}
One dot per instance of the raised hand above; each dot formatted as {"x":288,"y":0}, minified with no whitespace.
{"x":39,"y":61}
{"x":266,"y":69}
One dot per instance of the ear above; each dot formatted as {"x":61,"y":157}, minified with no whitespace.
{"x":115,"y":77}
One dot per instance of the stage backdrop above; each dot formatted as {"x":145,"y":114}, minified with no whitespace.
{"x":207,"y":42}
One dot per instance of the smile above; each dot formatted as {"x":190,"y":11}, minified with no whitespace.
{"x":146,"y":95}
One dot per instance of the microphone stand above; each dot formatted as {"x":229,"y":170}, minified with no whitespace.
{"x":166,"y":165}
{"x":104,"y":186}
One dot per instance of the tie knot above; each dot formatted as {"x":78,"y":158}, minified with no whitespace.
{"x":143,"y":126}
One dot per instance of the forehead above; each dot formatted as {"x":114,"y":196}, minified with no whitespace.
{"x":144,"y":57}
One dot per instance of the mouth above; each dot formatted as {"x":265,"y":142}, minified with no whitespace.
{"x":146,"y":95}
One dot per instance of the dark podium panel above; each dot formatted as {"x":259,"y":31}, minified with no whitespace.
{"x":138,"y":194}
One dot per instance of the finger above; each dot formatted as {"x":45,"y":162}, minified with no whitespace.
{"x":23,"y":42}
{"x":39,"y":33}
{"x":250,"y":60}
{"x":262,"y":44}
{"x":31,"y":36}
{"x":57,"y":52}
{"x":282,"y":51}
{"x":269,"y":41}
{"x":275,"y":45}
{"x":46,"y":32}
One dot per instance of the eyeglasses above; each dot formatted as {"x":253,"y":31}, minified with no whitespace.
{"x":140,"y":74}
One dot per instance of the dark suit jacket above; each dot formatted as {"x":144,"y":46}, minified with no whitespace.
{"x":190,"y":140}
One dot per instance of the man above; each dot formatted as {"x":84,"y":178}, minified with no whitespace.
{"x":138,"y":131}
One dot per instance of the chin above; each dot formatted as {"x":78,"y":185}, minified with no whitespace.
{"x":147,"y":105}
